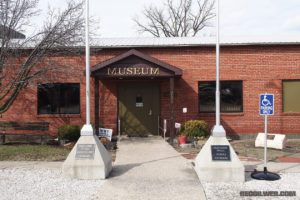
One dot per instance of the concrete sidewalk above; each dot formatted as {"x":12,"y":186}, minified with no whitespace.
{"x":149,"y":168}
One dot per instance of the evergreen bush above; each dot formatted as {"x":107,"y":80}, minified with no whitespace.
{"x":69,"y":132}
{"x":195,"y":128}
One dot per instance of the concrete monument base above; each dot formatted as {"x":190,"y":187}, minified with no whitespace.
{"x":276,"y":141}
{"x":88,"y":159}
{"x":218,"y":171}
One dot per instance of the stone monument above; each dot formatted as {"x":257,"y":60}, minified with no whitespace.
{"x":88,"y":159}
{"x":217,"y":160}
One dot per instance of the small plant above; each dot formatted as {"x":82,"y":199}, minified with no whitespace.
{"x":194,"y":129}
{"x":105,"y":140}
{"x":69,"y":132}
{"x":181,"y":130}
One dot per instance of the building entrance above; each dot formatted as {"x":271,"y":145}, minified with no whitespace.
{"x":138,"y":108}
{"x":138,"y":99}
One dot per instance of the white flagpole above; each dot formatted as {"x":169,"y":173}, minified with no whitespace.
{"x":218,"y":129}
{"x":87,"y":64}
{"x":217,"y":69}
{"x":87,"y":129}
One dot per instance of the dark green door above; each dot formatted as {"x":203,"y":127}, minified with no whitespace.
{"x":138,"y":107}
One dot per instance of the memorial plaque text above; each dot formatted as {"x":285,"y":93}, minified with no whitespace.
{"x":220,"y":153}
{"x":85,"y":151}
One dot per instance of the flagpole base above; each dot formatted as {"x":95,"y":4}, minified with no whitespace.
{"x":218,"y":131}
{"x":88,"y":159}
{"x":87,"y":130}
{"x":209,"y":170}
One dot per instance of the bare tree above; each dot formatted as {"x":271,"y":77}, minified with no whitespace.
{"x":184,"y":19}
{"x":23,"y":61}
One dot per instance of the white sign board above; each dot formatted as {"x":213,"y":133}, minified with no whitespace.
{"x":105,"y":133}
{"x":139,"y":104}
{"x":177,"y":125}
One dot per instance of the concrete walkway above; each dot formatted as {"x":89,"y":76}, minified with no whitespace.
{"x":149,"y":168}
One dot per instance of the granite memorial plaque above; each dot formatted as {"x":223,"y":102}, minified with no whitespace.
{"x":220,"y":153}
{"x":85,"y":151}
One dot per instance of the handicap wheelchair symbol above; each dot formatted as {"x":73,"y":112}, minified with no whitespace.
{"x":265,"y":101}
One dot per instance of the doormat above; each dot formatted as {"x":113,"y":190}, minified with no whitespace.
{"x":137,"y":135}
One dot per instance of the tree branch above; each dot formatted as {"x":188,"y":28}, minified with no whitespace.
{"x":176,"y":20}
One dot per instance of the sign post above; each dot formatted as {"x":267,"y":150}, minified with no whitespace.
{"x":266,"y":107}
{"x":266,"y":102}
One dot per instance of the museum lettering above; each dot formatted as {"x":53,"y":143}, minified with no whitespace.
{"x":132,"y":71}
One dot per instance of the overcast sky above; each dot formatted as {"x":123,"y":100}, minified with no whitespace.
{"x":237,"y":17}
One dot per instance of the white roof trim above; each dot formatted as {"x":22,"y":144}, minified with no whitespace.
{"x":183,"y":41}
{"x":192,"y":41}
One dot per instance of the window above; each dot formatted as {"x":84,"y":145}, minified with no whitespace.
{"x":291,"y":96}
{"x":231,"y":93}
{"x":59,"y":98}
{"x":139,"y":101}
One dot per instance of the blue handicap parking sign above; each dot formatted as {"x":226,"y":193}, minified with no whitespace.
{"x":266,"y":105}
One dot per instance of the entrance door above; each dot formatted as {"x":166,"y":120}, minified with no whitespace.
{"x":138,"y":107}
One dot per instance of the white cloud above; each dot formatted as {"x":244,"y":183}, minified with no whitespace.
{"x":257,"y":17}
{"x":238,"y":17}
{"x":292,"y":24}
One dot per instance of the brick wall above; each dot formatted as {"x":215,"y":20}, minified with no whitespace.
{"x":261,"y":68}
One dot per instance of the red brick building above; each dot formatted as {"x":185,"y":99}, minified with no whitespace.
{"x":132,"y":79}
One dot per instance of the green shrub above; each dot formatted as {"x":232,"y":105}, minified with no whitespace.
{"x":69,"y":132}
{"x":195,"y":128}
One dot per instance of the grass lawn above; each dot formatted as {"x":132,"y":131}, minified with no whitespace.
{"x":247,"y":148}
{"x":27,"y":152}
